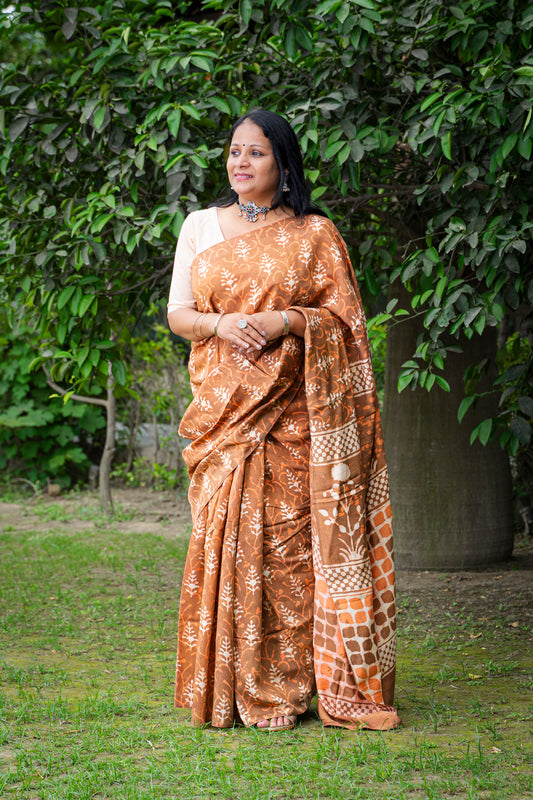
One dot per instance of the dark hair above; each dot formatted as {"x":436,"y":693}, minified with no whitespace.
{"x":287,"y":153}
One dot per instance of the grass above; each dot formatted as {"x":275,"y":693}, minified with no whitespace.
{"x":87,"y":635}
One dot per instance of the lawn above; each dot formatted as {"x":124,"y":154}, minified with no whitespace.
{"x":88,"y":620}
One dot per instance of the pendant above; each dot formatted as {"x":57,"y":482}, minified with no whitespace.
{"x":252,"y":210}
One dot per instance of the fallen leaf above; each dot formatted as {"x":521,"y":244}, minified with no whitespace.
{"x":513,"y":624}
{"x":475,"y":636}
{"x":474,"y":677}
{"x":495,"y":750}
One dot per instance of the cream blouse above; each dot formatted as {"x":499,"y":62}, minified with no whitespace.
{"x":199,"y":231}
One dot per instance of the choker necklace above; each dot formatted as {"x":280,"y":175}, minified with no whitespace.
{"x":251,"y":211}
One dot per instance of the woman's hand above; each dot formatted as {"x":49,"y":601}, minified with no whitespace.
{"x":261,"y":328}
{"x":252,"y":336}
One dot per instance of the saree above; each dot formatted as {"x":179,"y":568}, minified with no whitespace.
{"x":288,"y":587}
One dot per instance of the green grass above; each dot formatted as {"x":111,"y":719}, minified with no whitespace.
{"x":87,"y":644}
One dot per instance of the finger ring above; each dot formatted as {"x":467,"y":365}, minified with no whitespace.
{"x":242,"y":324}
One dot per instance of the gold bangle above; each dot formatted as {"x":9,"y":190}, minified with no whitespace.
{"x":286,"y":324}
{"x":216,"y":324}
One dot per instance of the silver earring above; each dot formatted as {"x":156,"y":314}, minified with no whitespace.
{"x":285,"y":183}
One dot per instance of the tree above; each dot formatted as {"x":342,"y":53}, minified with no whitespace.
{"x":92,"y":200}
{"x":416,"y":123}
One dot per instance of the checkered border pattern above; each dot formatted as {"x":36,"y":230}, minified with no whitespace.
{"x":348,"y":578}
{"x":378,"y":490}
{"x":336,"y":445}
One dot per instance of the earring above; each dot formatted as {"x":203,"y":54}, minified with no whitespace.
{"x":286,"y":187}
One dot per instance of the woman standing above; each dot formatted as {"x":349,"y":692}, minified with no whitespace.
{"x":289,"y":581}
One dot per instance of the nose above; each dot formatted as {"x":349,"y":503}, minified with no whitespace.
{"x":243,"y":158}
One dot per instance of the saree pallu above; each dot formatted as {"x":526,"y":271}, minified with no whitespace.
{"x":289,"y":581}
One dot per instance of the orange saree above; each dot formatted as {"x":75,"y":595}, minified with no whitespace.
{"x":289,"y":581}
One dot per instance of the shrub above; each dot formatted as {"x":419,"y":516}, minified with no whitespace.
{"x":41,"y":437}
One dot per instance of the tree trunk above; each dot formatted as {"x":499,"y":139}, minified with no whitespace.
{"x":451,"y":501}
{"x":109,"y":447}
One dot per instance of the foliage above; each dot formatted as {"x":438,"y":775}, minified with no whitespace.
{"x":158,"y":393}
{"x":41,"y":438}
{"x":415,"y":119}
{"x":144,"y":472}
{"x":377,"y":335}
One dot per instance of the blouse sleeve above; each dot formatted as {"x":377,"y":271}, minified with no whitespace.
{"x":181,"y":294}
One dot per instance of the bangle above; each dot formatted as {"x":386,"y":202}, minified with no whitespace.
{"x":286,"y":325}
{"x":199,"y":316}
{"x":201,"y":323}
{"x":216,"y":324}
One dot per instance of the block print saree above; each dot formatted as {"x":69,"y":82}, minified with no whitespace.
{"x":288,"y":587}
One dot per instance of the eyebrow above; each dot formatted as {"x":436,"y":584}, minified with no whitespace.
{"x":250,"y":145}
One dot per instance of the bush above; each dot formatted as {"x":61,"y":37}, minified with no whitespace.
{"x":158,"y":393}
{"x":41,"y":437}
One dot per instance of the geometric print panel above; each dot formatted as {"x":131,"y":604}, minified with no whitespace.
{"x":362,"y":377}
{"x":335,"y":445}
{"x":387,"y":655}
{"x":354,"y":577}
{"x":378,"y":490}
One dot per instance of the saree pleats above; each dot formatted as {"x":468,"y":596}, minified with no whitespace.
{"x":289,"y":578}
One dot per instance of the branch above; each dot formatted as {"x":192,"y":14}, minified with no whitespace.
{"x":150,"y":280}
{"x":95,"y":401}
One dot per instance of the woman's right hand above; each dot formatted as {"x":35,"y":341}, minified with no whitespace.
{"x":251,"y":337}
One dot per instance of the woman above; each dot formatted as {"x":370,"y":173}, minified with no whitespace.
{"x":289,"y":583}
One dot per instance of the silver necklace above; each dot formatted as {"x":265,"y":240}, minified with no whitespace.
{"x":251,"y":211}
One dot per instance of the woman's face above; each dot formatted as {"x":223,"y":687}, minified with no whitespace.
{"x":253,"y":171}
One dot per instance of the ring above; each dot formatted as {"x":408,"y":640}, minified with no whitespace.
{"x":242,"y":324}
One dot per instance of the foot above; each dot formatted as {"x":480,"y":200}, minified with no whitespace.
{"x":277,"y":723}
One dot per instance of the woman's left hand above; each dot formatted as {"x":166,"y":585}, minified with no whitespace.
{"x":271,"y":323}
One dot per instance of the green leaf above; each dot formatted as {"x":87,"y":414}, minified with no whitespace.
{"x":524,"y":147}
{"x":99,"y":117}
{"x":508,"y":144}
{"x":100,"y":222}
{"x":124,"y":211}
{"x":245,"y":10}
{"x":525,"y":404}
{"x":17,"y":127}
{"x":173,"y":122}
{"x":119,"y":372}
{"x":404,"y":380}
{"x":344,"y":153}
{"x":430,"y":100}
{"x":465,"y":405}
{"x":65,"y":296}
{"x":482,"y":432}
{"x":441,"y":285}
{"x":333,"y":149}
{"x":446,"y":144}
{"x":83,"y":352}
{"x":191,"y":111}
{"x":202,"y":63}
{"x":85,"y":303}
{"x":220,"y":104}
{"x":328,"y":6}
{"x":521,"y":428}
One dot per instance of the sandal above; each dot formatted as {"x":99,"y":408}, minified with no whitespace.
{"x":285,"y":726}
